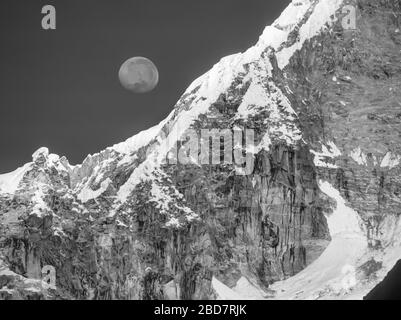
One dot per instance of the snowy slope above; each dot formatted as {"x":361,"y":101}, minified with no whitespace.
{"x":9,"y":182}
{"x":333,"y":273}
{"x":205,"y":91}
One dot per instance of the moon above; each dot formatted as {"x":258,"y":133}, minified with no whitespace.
{"x":139,"y":75}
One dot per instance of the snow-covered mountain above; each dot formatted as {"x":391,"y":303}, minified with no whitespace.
{"x":316,"y":216}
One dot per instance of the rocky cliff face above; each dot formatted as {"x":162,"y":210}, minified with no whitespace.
{"x":311,"y":210}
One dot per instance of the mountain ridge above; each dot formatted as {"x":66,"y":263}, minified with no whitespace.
{"x":129,"y":224}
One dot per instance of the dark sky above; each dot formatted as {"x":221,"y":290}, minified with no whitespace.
{"x":60,"y":88}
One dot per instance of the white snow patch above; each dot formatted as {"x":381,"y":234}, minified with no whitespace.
{"x":138,"y":141}
{"x":343,"y":220}
{"x":248,"y":290}
{"x":243,"y":290}
{"x":359,"y":157}
{"x":390,"y":160}
{"x":9,"y":182}
{"x":160,"y":195}
{"x":173,"y":222}
{"x":166,"y":196}
{"x":320,"y":16}
{"x":51,"y":159}
{"x":40,"y":207}
{"x":224,"y":292}
{"x":329,"y":276}
{"x":43,"y":151}
{"x":127,"y":159}
{"x":256,"y":97}
{"x":87,"y":193}
{"x":293,"y":14}
{"x":54,"y":160}
{"x":280,"y":122}
{"x":264,"y":144}
{"x":330,"y":152}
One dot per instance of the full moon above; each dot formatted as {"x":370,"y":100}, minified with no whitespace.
{"x":138,"y":75}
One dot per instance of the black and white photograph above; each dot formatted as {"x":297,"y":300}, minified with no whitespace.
{"x":220,"y":151}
